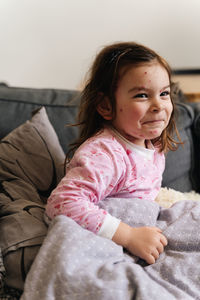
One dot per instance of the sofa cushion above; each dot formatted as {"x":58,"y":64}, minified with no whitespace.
{"x":196,"y":137}
{"x":31,"y":165}
{"x":17,"y":104}
{"x":179,"y":170}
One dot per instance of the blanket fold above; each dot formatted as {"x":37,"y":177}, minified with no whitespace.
{"x":74,"y":263}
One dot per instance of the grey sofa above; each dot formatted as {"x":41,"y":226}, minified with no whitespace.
{"x":31,"y":164}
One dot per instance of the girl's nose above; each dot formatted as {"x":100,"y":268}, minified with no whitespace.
{"x":156,"y":105}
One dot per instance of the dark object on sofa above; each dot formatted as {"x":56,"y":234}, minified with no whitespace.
{"x":31,"y":164}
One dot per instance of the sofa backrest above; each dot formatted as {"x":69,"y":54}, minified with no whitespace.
{"x":17,"y":104}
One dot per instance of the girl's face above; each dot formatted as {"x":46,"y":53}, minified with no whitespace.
{"x":143,"y":103}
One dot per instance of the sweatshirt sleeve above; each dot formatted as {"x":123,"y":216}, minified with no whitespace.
{"x":95,"y":172}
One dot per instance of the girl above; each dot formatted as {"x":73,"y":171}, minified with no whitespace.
{"x":126,"y":123}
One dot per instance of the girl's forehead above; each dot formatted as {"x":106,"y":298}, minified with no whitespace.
{"x":141,"y":69}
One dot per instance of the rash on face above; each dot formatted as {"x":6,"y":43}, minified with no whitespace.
{"x":154,"y":131}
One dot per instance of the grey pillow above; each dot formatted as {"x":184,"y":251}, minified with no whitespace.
{"x":197,"y":147}
{"x":179,"y":164}
{"x":31,"y":165}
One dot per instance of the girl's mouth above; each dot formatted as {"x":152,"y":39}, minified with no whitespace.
{"x":154,"y":121}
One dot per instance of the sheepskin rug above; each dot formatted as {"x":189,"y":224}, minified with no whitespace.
{"x":167,"y":197}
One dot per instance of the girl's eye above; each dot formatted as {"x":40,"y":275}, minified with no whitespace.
{"x":142,"y":95}
{"x":165,"y":93}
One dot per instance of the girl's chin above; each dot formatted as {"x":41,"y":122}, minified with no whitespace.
{"x":149,"y":136}
{"x":152,"y":134}
{"x":139,"y":138}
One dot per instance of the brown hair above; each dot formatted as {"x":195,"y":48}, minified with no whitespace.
{"x":102,"y":81}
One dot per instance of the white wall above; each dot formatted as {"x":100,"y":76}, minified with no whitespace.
{"x":50,"y":43}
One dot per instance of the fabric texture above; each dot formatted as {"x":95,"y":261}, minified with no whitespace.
{"x":73,"y":263}
{"x":31,"y":165}
{"x":106,"y":165}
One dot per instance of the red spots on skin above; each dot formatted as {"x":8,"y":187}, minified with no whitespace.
{"x":154,"y":131}
{"x":145,"y":73}
{"x":121,"y":110}
{"x":135,"y":133}
{"x":57,"y":206}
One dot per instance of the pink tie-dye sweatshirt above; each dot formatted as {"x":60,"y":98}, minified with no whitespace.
{"x":106,"y":165}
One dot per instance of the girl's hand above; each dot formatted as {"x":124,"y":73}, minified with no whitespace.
{"x":146,"y":242}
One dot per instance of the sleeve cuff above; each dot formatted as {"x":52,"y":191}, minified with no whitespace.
{"x":109,"y":227}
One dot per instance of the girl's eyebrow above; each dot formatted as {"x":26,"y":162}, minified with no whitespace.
{"x":142,"y":88}
{"x":166,"y":87}
{"x":138,"y":88}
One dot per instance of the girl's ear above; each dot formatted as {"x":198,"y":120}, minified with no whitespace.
{"x":104,"y":109}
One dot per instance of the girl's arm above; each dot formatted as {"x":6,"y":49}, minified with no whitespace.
{"x":95,"y":172}
{"x":146,"y":242}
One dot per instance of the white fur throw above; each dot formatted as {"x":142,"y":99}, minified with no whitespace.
{"x":167,"y":197}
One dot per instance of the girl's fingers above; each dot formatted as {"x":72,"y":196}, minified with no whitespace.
{"x":156,"y":229}
{"x":163,"y":240}
{"x":160,"y":248}
{"x":155,"y":254}
{"x":150,"y":259}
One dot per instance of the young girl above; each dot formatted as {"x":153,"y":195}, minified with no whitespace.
{"x":126,"y":123}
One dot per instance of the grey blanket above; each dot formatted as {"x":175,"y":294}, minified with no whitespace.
{"x":74,"y":263}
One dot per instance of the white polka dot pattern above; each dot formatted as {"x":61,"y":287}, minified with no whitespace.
{"x":74,"y":263}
